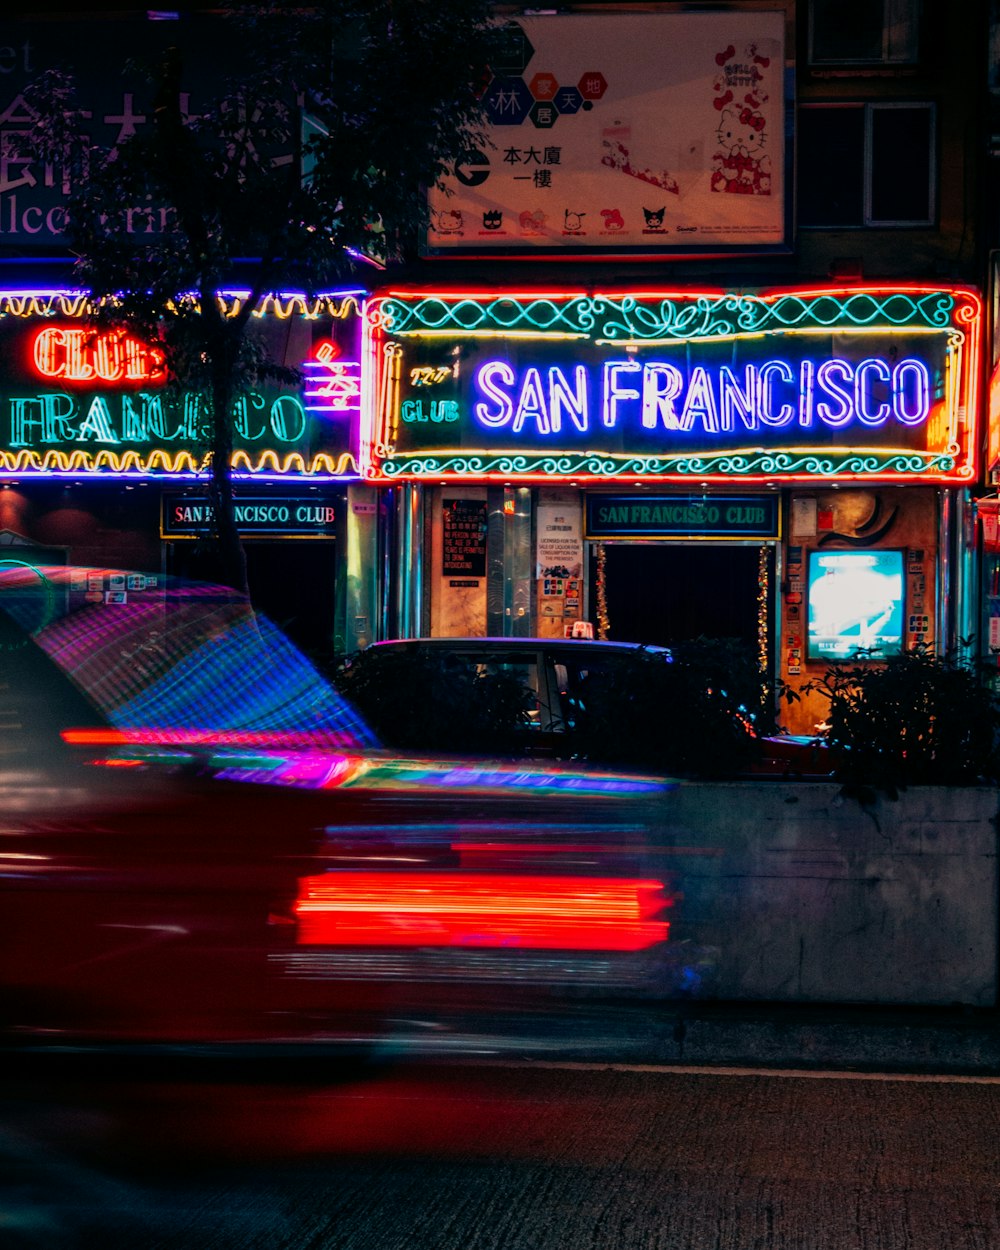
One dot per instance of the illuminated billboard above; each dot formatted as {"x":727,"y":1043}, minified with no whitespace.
{"x":856,"y":605}
{"x":873,"y":384}
{"x":82,"y":400}
{"x":625,"y":132}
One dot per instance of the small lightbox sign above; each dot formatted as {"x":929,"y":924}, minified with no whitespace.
{"x":698,"y":516}
{"x":856,"y":604}
{"x":865,"y":383}
{"x":276,"y":516}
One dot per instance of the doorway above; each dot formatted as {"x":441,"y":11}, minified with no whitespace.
{"x":666,"y":593}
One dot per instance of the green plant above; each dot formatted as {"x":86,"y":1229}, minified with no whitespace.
{"x":912,"y":719}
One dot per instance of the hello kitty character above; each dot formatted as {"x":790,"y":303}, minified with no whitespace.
{"x":741,"y":164}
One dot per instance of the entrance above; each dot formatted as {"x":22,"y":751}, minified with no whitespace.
{"x":665,"y":593}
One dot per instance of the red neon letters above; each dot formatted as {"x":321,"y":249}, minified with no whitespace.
{"x":76,"y":355}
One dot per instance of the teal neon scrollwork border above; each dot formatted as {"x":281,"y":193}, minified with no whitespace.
{"x":638,"y":318}
{"x":737,"y":464}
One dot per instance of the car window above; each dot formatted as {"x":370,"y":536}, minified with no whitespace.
{"x":526,"y":670}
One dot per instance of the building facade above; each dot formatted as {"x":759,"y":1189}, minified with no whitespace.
{"x":694,"y":346}
{"x":721,"y":377}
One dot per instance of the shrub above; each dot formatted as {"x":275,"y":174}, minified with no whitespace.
{"x":912,"y":719}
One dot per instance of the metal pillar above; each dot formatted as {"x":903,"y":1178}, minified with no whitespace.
{"x":409,"y":556}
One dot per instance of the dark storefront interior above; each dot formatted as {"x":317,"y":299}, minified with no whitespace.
{"x":664,"y":593}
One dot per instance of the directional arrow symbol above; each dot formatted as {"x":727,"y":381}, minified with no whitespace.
{"x":472,"y":168}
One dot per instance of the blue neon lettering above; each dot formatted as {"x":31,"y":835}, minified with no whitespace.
{"x":921,"y":388}
{"x":737,"y":401}
{"x":661,"y":385}
{"x":573,"y":399}
{"x":863,"y":389}
{"x":765,"y":391}
{"x":531,"y":404}
{"x":613,"y":393}
{"x":494,"y":418}
{"x":827,"y":378}
{"x":659,"y":395}
{"x":700,"y":402}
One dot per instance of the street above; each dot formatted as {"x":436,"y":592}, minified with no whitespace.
{"x":483,"y":1156}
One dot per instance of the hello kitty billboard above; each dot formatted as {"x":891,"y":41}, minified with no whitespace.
{"x":635,"y":132}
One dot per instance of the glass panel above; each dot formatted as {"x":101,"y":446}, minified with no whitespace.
{"x":901,"y":164}
{"x":846,"y":30}
{"x":830,"y":157}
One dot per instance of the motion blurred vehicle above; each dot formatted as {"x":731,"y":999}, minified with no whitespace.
{"x":535,"y":698}
{"x":202,"y":842}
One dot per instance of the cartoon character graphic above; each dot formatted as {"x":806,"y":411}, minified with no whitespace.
{"x":617,"y":154}
{"x":532,"y":222}
{"x":448,"y":221}
{"x":613,"y":219}
{"x":572,"y":222}
{"x":654,"y":217}
{"x":741,"y":164}
{"x":492,"y":220}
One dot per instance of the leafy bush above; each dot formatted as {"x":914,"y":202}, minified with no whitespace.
{"x":433,"y":703}
{"x":912,"y":719}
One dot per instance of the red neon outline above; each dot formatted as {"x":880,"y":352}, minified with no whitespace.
{"x":966,"y":461}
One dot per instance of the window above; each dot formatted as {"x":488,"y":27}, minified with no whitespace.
{"x":866,"y":165}
{"x":864,"y":32}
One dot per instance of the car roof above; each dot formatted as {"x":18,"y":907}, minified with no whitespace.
{"x":596,"y":645}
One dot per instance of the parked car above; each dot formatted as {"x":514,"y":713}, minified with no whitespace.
{"x":518,"y":695}
{"x":204,"y":843}
{"x":574,"y":699}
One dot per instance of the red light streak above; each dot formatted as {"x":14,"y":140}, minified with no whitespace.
{"x":472,"y":909}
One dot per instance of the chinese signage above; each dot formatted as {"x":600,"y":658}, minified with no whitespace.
{"x":76,"y":399}
{"x":633,"y":131}
{"x":709,"y":516}
{"x":464,"y":537}
{"x":116,"y":105}
{"x":864,"y":384}
{"x":276,"y":515}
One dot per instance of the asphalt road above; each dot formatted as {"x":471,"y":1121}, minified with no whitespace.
{"x":495,"y":1157}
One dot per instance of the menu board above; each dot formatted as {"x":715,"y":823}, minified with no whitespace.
{"x":464,"y":537}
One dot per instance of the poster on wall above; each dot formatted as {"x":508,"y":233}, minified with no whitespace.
{"x":641,"y":132}
{"x":464,"y":523}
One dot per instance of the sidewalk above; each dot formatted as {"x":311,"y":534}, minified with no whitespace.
{"x":959,"y":1040}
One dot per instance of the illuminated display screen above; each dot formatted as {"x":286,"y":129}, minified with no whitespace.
{"x":75,"y":399}
{"x":864,"y":384}
{"x":856,"y":604}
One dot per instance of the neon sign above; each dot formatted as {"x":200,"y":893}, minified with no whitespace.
{"x":80,"y":400}
{"x":76,"y":355}
{"x":867,"y":383}
{"x":657,"y":395}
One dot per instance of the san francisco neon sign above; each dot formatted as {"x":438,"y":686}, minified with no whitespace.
{"x":655,"y":395}
{"x":860,"y":383}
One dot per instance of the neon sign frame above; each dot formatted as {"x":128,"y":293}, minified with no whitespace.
{"x":398,"y":385}
{"x":74,"y":359}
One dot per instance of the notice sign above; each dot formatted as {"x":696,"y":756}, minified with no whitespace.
{"x":280,"y":516}
{"x":464,"y":537}
{"x":559,"y":544}
{"x":716,"y":516}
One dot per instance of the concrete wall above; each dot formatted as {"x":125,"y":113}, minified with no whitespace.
{"x":791,"y":893}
